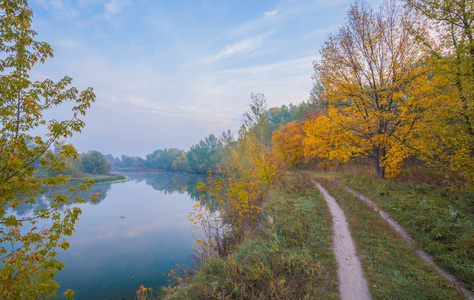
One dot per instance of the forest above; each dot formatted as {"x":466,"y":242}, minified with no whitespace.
{"x":207,"y":155}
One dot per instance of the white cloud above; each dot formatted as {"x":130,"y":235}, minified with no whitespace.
{"x":114,"y":7}
{"x":287,"y":12}
{"x":268,"y":19}
{"x":57,"y":4}
{"x":245,"y":46}
{"x":270,"y":13}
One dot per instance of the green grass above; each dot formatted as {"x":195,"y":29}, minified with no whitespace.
{"x":289,"y":257}
{"x":439,"y":219}
{"x":392,"y":269}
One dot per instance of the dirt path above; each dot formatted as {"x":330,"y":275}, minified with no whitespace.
{"x":402,"y":233}
{"x":352,"y":283}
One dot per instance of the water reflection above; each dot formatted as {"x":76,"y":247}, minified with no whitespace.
{"x":43,"y":202}
{"x":135,"y":234}
{"x":170,"y":182}
{"x":166,"y":182}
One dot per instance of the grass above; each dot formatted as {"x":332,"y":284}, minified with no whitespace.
{"x":440,"y":219}
{"x":392,"y":269}
{"x":288,"y":256}
{"x":99,"y":179}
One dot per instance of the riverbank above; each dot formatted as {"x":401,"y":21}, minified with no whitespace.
{"x":289,"y":253}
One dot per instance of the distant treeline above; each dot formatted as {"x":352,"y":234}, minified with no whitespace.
{"x":207,"y":154}
{"x":92,"y":162}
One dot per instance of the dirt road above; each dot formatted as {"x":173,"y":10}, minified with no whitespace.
{"x":352,"y":283}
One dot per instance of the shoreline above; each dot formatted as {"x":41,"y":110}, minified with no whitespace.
{"x":111,"y":179}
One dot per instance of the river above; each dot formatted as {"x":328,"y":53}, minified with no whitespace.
{"x":134,"y":236}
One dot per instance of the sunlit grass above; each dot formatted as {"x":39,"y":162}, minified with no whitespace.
{"x":329,"y":175}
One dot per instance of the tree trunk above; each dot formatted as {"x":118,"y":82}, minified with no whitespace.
{"x":378,"y":155}
{"x":379,"y":169}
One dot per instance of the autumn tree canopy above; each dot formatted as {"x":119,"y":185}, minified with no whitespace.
{"x":371,"y":70}
{"x":289,"y":141}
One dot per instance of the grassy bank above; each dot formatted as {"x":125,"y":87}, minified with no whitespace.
{"x":288,"y":256}
{"x":440,"y":219}
{"x":99,"y":179}
{"x":392,"y":269}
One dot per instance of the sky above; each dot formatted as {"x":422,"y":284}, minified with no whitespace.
{"x":168,"y":73}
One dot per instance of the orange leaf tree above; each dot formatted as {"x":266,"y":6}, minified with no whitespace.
{"x":251,"y":166}
{"x":289,"y":142}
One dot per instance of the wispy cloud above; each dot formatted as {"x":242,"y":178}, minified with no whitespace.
{"x":282,"y":82}
{"x":286,"y":12}
{"x":51,"y":4}
{"x":245,"y":46}
{"x":270,"y":13}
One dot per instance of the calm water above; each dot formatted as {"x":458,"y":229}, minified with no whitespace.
{"x":137,"y":233}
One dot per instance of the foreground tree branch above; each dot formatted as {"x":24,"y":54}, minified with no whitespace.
{"x":27,"y":254}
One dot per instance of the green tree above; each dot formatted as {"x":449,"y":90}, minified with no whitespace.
{"x":163,"y":159}
{"x":28,"y":244}
{"x":95,"y":162}
{"x":206,"y":155}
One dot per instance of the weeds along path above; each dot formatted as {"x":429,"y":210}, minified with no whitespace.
{"x":352,"y":283}
{"x":404,"y":236}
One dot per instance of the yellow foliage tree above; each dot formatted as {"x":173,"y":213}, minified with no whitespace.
{"x":371,"y":71}
{"x":29,"y":244}
{"x":447,"y":131}
{"x":327,"y":140}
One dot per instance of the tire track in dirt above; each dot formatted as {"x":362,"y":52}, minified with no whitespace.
{"x":404,"y":236}
{"x":352,"y":283}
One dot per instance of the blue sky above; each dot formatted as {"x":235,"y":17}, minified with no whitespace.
{"x":169,"y":73}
